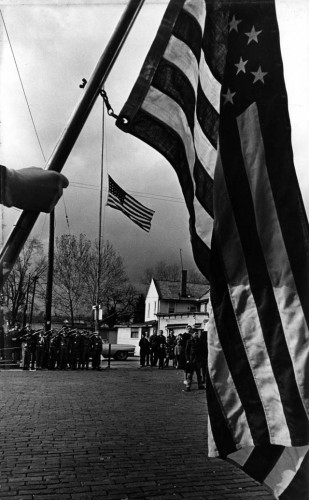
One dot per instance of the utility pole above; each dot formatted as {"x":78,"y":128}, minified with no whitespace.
{"x":26,"y":303}
{"x":50,"y":272}
{"x":181,"y":258}
{"x":35,"y":278}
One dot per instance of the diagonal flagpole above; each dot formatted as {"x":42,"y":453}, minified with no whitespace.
{"x":26,"y":221}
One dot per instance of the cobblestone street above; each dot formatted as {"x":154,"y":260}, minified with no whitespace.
{"x":120,"y":434}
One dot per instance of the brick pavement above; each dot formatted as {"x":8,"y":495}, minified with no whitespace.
{"x":119,"y":434}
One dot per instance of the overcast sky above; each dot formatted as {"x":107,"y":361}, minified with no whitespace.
{"x":55,"y":46}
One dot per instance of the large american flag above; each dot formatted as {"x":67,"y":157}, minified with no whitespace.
{"x":120,"y":200}
{"x":211,"y":98}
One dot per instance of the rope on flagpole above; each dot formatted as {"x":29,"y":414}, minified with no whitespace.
{"x":103,"y":94}
{"x":109,"y":109}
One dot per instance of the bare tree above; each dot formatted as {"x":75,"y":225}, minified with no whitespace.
{"x":195,"y":276}
{"x":29,"y":268}
{"x":161,"y":271}
{"x":75,"y":280}
{"x":116,"y":295}
{"x":119,"y":304}
{"x":72,"y":259}
{"x":171,"y":272}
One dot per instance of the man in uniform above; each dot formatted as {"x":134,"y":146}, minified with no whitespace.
{"x":26,"y":352}
{"x":40,"y":349}
{"x":85,"y":350}
{"x":63,"y":354}
{"x":53,"y":350}
{"x":75,"y":349}
{"x":96,"y":348}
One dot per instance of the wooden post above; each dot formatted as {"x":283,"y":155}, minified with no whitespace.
{"x":35,"y":278}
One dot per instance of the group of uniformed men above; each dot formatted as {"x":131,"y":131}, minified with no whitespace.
{"x":60,"y":349}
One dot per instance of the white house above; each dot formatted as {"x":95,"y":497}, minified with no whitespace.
{"x":169,"y":305}
{"x":177,"y":304}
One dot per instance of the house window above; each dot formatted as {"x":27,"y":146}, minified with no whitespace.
{"x":134,"y":333}
{"x":192,"y":308}
{"x":171,"y":307}
{"x":148,"y":313}
{"x":155,"y":308}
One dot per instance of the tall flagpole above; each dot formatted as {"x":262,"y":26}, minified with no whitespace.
{"x":97,"y":305}
{"x":50,"y":272}
{"x":71,"y":132}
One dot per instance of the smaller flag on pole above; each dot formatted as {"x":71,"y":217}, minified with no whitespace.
{"x":120,"y":200}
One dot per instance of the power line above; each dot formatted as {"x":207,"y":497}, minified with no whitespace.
{"x":66,"y":215}
{"x":22,"y":86}
{"x":93,"y":187}
{"x":34,"y":126}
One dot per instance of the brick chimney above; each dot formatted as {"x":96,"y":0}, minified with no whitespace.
{"x":183,"y":285}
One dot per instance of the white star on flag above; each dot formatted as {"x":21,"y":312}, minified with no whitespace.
{"x":259,"y":75}
{"x":228,"y":97}
{"x":241,"y":66}
{"x":253,"y":35}
{"x":233,"y":24}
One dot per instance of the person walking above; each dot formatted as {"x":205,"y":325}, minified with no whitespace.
{"x":194,"y":358}
{"x":186,"y":336}
{"x":144,"y":350}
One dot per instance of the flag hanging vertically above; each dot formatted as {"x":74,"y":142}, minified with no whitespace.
{"x":120,"y":200}
{"x":211,"y":98}
{"x":174,"y":107}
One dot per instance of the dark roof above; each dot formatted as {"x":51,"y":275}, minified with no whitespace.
{"x":170,"y":290}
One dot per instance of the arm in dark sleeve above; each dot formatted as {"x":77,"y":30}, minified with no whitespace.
{"x":31,"y":188}
{"x":3,"y":182}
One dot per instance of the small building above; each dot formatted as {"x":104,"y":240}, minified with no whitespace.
{"x":177,"y":304}
{"x":132,"y":333}
{"x":169,"y":305}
